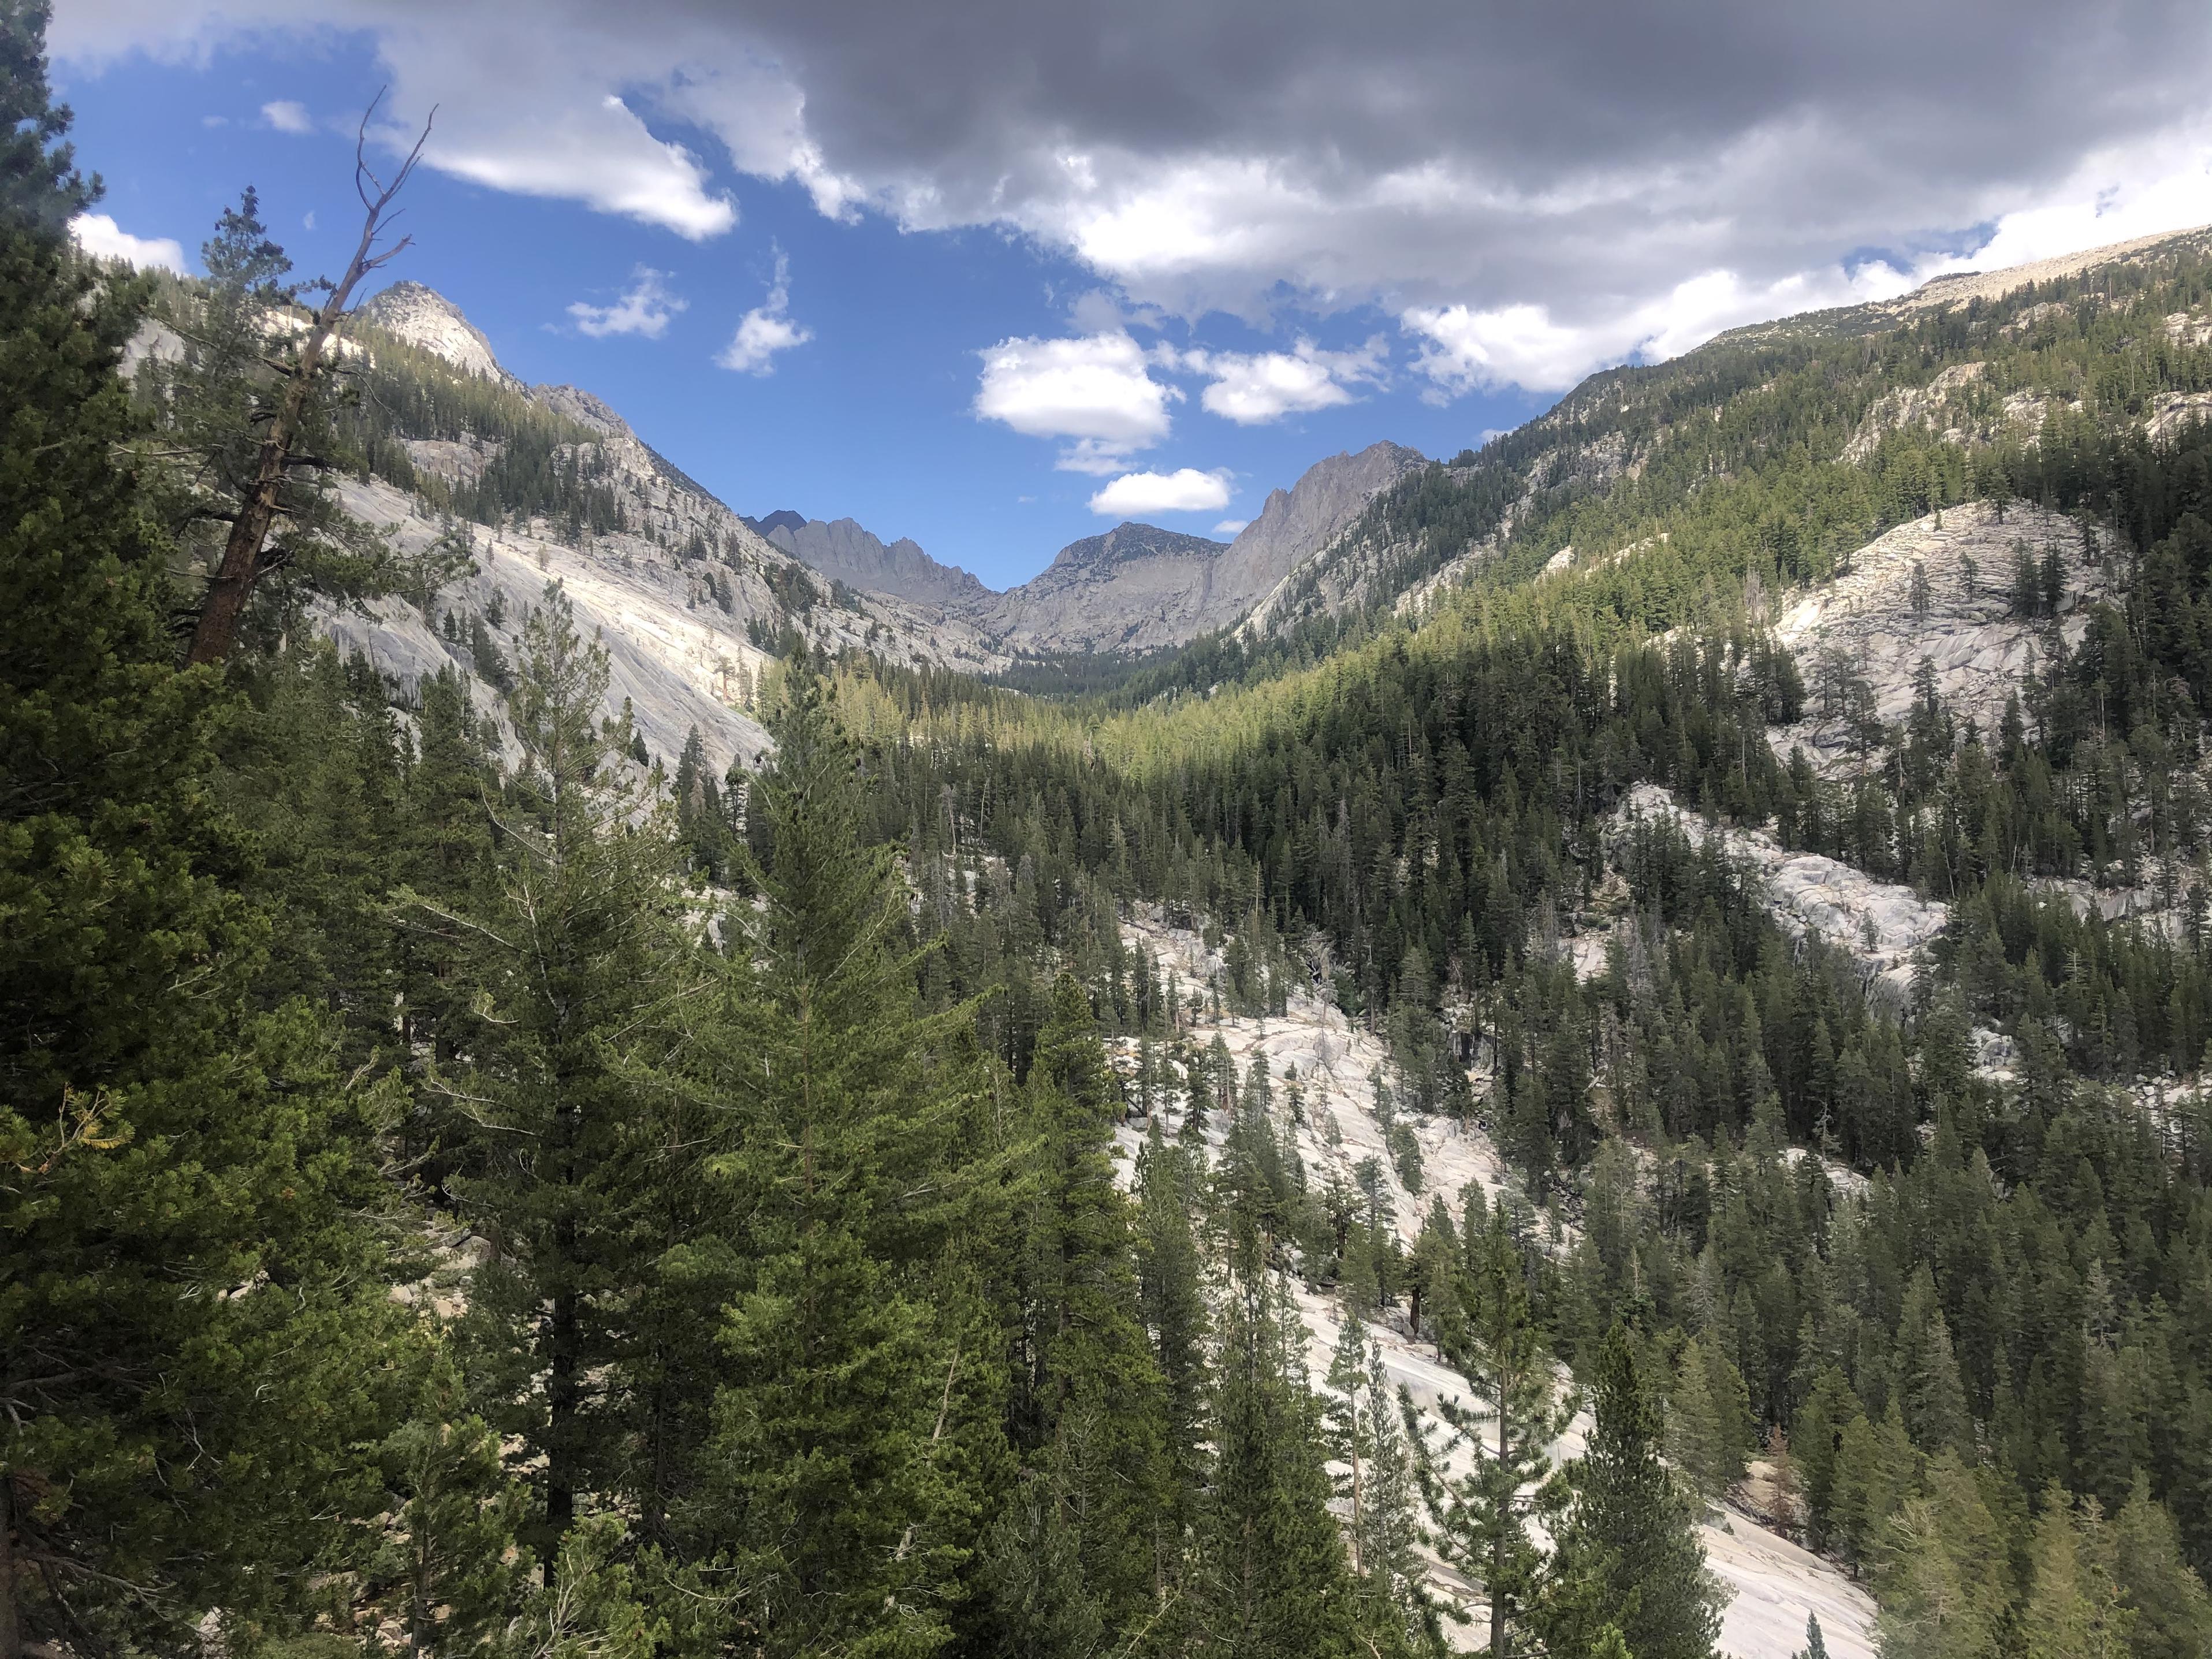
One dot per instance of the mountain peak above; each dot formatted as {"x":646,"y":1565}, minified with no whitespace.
{"x":1131,"y":540}
{"x":841,"y":549}
{"x":575,"y":403}
{"x":426,"y":319}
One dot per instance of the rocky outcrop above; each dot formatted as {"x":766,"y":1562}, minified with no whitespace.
{"x":689,"y":601}
{"x":1883,"y":927}
{"x":426,"y":319}
{"x":679,"y":663}
{"x":1940,"y":588}
{"x":845,"y":552}
{"x":1339,"y":1132}
{"x":1133,"y":588}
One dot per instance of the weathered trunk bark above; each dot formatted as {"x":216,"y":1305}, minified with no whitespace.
{"x":561,"y":1399}
{"x":1358,"y":1564}
{"x":421,"y":1610}
{"x":1497,"y":1543}
{"x":11,"y":1627}
{"x":232,"y":585}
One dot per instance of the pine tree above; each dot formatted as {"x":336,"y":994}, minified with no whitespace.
{"x":579,"y":960}
{"x":2172,"y":1612}
{"x":193,"y":1295}
{"x":1628,"y":1555}
{"x":1169,"y":1265}
{"x":1076,"y":1550}
{"x":1934,"y":1402}
{"x":1942,"y":1577}
{"x":844,"y":1427}
{"x":454,"y":1509}
{"x":1349,"y":1429}
{"x":1277,"y":1585}
{"x":1876,"y":1471}
{"x":1705,"y":1416}
{"x":1816,"y":1645}
{"x":1392,"y":1567}
{"x":2074,"y":1608}
{"x":1480,"y":1519}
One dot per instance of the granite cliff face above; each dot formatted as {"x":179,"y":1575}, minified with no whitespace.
{"x":423,"y":317}
{"x":1297,"y":524}
{"x":692,"y":603}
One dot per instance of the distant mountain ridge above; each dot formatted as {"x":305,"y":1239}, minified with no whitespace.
{"x":1135,"y":588}
{"x":844,"y":551}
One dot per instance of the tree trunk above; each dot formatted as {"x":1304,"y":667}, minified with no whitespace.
{"x":11,"y":1629}
{"x":1498,"y":1540}
{"x":1356,"y":1566}
{"x":232,"y":585}
{"x":561,"y":1424}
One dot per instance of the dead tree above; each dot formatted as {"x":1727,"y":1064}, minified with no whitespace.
{"x":232,"y":584}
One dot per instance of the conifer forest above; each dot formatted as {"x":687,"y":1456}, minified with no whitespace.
{"x":1322,"y":1142}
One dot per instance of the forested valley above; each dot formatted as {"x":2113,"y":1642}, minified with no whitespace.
{"x":482,"y":1188}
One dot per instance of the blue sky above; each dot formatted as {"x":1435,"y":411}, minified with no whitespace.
{"x":872,"y":417}
{"x":992,"y":274}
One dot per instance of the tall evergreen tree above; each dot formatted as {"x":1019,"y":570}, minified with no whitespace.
{"x":579,"y":959}
{"x":845,"y":1427}
{"x":1481,"y":1518}
{"x":1942,"y":1574}
{"x":190,"y":1264}
{"x":1172,"y":1298}
{"x":1628,"y":1555}
{"x":1708,"y":1420}
{"x":2074,"y":1607}
{"x":2172,"y":1611}
{"x":1077,"y":1549}
{"x":1278,"y":1583}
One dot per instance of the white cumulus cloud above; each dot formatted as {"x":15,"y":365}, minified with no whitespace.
{"x":98,"y":234}
{"x":286,"y":116}
{"x":1231,"y":528}
{"x":645,"y":308}
{"x":600,"y":154}
{"x":1094,"y":389}
{"x":1137,"y":495}
{"x":766,"y":330}
{"x":1465,"y":350}
{"x":1254,"y":388}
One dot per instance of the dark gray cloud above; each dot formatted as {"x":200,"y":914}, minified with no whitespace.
{"x":1538,"y":93}
{"x":1529,"y":186}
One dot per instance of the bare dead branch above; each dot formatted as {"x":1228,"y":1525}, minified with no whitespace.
{"x":232,"y":585}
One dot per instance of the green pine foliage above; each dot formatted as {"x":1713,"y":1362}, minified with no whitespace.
{"x":549,"y":1206}
{"x":832,"y":1493}
{"x":1276,"y":1581}
{"x":577,"y":958}
{"x":1481,"y":1520}
{"x":1628,"y":1559}
{"x":194,"y":1258}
